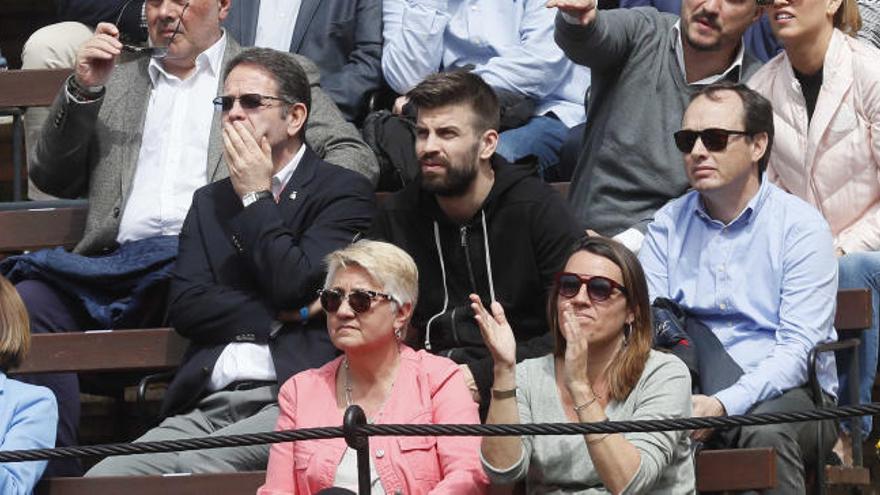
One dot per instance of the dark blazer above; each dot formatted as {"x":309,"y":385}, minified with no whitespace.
{"x":342,"y":37}
{"x":239,"y":267}
{"x":92,"y":148}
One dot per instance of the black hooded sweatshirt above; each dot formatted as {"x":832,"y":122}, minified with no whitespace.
{"x":511,"y":249}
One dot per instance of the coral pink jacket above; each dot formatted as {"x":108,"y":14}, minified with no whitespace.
{"x":428,"y":389}
{"x":834,"y":163}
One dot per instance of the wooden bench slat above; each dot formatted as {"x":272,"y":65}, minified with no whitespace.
{"x":736,"y":469}
{"x":853,"y":309}
{"x":849,"y":476}
{"x":30,"y":88}
{"x":185,"y":484}
{"x":118,"y":350}
{"x":33,"y":229}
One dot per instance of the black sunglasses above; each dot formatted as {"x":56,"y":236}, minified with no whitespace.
{"x":247,"y":101}
{"x":713,"y":139}
{"x":360,"y":300}
{"x":599,"y":288}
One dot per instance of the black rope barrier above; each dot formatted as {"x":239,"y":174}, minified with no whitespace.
{"x":353,"y":431}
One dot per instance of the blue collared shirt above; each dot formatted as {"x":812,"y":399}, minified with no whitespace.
{"x":28,"y":420}
{"x":766,"y":284}
{"x":508,"y":42}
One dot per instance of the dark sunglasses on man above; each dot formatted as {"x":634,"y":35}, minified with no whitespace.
{"x":713,"y":139}
{"x":599,"y":288}
{"x":247,"y":101}
{"x":359,"y":300}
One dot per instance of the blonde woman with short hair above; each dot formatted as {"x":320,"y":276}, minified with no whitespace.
{"x":369,"y":295}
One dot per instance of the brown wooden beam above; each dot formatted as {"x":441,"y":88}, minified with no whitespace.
{"x":736,"y":469}
{"x":178,"y":484}
{"x":118,"y":350}
{"x":30,"y":88}
{"x":853,"y":309}
{"x":33,"y":229}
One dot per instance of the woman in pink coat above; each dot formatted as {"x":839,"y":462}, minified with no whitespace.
{"x":369,"y":296}
{"x":825,"y":90}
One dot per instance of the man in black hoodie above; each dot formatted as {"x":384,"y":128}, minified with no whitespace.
{"x":474,"y":224}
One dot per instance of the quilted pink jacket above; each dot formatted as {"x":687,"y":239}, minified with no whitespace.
{"x":834,"y":163}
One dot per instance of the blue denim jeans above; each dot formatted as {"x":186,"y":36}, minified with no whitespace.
{"x":542,"y":137}
{"x":861,"y":271}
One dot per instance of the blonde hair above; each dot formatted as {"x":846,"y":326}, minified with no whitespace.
{"x":387,"y":264}
{"x":15,"y":328}
{"x":847,"y":18}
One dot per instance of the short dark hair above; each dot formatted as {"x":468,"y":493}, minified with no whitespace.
{"x":459,"y":87}
{"x":293,"y":84}
{"x":757,"y":113}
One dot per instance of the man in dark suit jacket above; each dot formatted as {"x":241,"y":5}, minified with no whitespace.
{"x":343,"y":37}
{"x":251,"y":250}
{"x":97,"y":143}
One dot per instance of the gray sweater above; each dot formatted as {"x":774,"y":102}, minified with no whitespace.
{"x":562,"y":464}
{"x":629,"y":166}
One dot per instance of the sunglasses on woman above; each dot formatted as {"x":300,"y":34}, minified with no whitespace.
{"x":247,"y":101}
{"x":359,"y":300}
{"x":713,"y":139}
{"x":599,"y":288}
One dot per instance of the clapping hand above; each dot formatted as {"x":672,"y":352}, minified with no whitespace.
{"x":582,"y":10}
{"x":248,"y":157}
{"x":576,"y":351}
{"x":497,"y":333}
{"x":96,"y":57}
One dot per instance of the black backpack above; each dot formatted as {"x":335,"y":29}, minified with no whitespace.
{"x":392,"y":138}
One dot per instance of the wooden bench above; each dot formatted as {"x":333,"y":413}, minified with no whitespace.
{"x":179,"y":484}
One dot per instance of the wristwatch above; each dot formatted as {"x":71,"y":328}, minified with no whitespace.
{"x":82,"y":93}
{"x":254,"y":196}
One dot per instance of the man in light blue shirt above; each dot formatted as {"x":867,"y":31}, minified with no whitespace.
{"x":509,"y":43}
{"x":757,"y":266}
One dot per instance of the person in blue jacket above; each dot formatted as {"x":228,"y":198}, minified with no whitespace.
{"x":28,"y":413}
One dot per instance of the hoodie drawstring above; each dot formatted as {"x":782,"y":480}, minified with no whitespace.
{"x":445,"y":288}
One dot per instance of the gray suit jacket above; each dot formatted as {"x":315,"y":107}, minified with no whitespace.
{"x":342,"y":37}
{"x":92,"y":148}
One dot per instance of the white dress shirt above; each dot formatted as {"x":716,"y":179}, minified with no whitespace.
{"x":245,"y":360}
{"x":172,"y":162}
{"x":276,"y":23}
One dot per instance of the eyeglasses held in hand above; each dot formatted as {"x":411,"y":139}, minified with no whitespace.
{"x":713,"y":139}
{"x":153,"y":51}
{"x":247,"y":101}
{"x":360,"y":300}
{"x":599,"y":288}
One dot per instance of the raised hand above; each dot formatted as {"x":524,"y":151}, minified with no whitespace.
{"x":96,"y":57}
{"x":582,"y":10}
{"x":576,"y":350}
{"x":249,"y":160}
{"x":497,"y":333}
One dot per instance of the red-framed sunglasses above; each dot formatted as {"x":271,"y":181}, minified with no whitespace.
{"x":599,"y":288}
